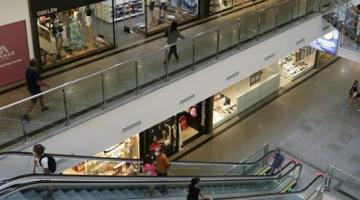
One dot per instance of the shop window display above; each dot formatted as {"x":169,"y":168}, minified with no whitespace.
{"x":127,"y":149}
{"x":219,"y":5}
{"x":162,"y":135}
{"x":245,"y":93}
{"x":297,"y":63}
{"x":73,"y":33}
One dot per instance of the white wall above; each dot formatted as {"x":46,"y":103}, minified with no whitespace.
{"x":105,"y":130}
{"x":17,"y":10}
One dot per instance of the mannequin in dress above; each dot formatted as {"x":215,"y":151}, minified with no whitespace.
{"x":75,"y":34}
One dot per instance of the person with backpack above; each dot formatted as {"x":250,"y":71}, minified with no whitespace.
{"x":45,"y":161}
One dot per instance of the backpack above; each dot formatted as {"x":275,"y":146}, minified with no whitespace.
{"x":51,"y":162}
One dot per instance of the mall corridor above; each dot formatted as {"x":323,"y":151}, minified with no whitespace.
{"x":310,"y":121}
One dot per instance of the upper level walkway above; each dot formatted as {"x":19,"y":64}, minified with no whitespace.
{"x":93,"y":94}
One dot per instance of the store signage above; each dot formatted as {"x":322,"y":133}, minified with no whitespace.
{"x":44,"y":7}
{"x":328,"y":43}
{"x":14,"y":53}
{"x":46,"y":11}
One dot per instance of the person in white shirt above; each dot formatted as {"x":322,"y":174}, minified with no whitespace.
{"x":43,"y":162}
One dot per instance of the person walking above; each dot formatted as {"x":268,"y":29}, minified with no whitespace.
{"x":194,"y":192}
{"x":353,"y":94}
{"x":277,"y":162}
{"x":172,"y":35}
{"x":34,"y":84}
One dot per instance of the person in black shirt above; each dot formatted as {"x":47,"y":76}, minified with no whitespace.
{"x":353,"y":93}
{"x":34,"y":84}
{"x":194,"y":191}
{"x":278,"y":160}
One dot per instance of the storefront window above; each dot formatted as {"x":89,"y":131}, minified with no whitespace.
{"x":297,"y":64}
{"x":69,"y":34}
{"x":160,"y":13}
{"x":128,"y":149}
{"x":245,"y":93}
{"x":219,"y":5}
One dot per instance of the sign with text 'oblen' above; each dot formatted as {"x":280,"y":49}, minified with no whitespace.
{"x":14,"y":52}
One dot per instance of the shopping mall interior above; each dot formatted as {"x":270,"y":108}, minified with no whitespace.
{"x":260,"y":102}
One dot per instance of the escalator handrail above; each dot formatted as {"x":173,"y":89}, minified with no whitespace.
{"x":19,"y":179}
{"x":280,"y":194}
{"x":9,"y":153}
{"x":30,"y":180}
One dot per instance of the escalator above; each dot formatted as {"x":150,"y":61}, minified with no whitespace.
{"x":312,"y":191}
{"x":101,"y":187}
{"x":19,"y":163}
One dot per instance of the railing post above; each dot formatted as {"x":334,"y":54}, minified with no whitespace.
{"x":103,"y":90}
{"x":65,"y":108}
{"x":239,"y":34}
{"x":193,"y":53}
{"x":276,"y":17}
{"x":258,"y":26}
{"x":136,"y":77}
{"x":23,"y":122}
{"x":217,"y":43}
{"x":167,"y":64}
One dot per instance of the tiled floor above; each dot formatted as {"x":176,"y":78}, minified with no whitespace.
{"x":310,"y":122}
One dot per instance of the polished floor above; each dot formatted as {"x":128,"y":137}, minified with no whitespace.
{"x":310,"y":122}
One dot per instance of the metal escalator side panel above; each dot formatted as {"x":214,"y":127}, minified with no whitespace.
{"x":311,"y":192}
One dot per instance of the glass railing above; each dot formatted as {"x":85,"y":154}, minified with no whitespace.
{"x":144,"y":187}
{"x":21,"y":163}
{"x":86,"y":97}
{"x":311,"y":192}
{"x":342,"y":184}
{"x":345,"y":17}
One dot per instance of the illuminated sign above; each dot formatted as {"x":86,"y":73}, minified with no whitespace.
{"x":328,"y":43}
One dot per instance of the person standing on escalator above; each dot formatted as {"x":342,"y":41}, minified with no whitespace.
{"x":277,"y":162}
{"x":194,"y":192}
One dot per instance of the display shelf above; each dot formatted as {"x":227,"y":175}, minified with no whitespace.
{"x":103,"y":10}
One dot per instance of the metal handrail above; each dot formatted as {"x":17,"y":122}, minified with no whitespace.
{"x":199,"y":163}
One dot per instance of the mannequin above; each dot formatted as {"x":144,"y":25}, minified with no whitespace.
{"x":152,"y":14}
{"x":163,"y":9}
{"x":88,"y":22}
{"x":75,"y":35}
{"x":56,"y":30}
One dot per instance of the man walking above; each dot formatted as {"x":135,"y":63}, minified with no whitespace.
{"x":34,"y":84}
